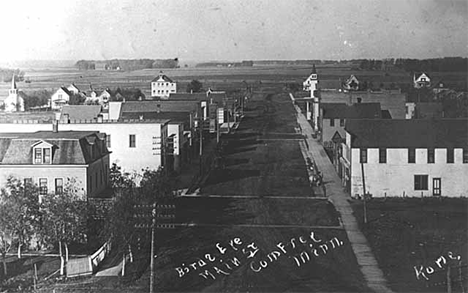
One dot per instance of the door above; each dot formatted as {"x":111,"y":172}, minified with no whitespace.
{"x":436,"y":186}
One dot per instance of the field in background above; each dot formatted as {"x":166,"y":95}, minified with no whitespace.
{"x":51,"y":79}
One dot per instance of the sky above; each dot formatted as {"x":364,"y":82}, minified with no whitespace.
{"x":204,"y":30}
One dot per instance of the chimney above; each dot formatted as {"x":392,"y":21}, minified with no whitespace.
{"x":55,"y":126}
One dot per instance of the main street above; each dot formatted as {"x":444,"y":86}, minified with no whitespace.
{"x":256,"y":224}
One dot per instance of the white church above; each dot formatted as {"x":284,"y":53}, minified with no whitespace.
{"x":14,"y":102}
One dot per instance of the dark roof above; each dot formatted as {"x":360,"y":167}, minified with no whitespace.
{"x":429,"y":110}
{"x":217,"y":97}
{"x":343,"y":111}
{"x":188,"y":96}
{"x":161,"y":105}
{"x":66,"y":91}
{"x":167,"y":79}
{"x":386,"y":114}
{"x":183,"y":117}
{"x":411,"y":133}
{"x":69,"y":147}
{"x":80,"y":112}
{"x":419,"y":96}
{"x":394,"y":103}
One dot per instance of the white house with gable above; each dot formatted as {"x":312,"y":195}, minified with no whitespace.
{"x":422,"y":80}
{"x":162,"y":86}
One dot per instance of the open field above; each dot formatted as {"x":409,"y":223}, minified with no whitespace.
{"x":408,"y":232}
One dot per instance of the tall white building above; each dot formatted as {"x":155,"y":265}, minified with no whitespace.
{"x":162,"y":86}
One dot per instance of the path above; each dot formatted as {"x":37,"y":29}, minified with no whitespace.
{"x":365,"y":258}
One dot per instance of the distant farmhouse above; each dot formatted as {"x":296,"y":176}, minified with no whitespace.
{"x":421,"y":80}
{"x":60,"y":98}
{"x":162,"y":86}
{"x":351,"y":84}
{"x":53,"y":159}
{"x":425,"y":157}
{"x":15,"y":100}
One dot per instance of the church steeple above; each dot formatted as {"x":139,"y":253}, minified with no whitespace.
{"x":314,"y":71}
{"x":14,"y":89}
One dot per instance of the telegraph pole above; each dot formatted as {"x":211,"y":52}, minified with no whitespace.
{"x":153,"y":226}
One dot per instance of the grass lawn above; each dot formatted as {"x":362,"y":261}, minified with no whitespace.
{"x":21,"y":272}
{"x":409,"y":232}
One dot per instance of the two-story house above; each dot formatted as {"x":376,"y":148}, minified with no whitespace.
{"x":424,"y":157}
{"x":55,"y":159}
{"x":162,"y":86}
{"x":59,"y":98}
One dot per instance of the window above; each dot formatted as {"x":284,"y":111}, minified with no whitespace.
{"x":42,"y":186}
{"x":465,"y":156}
{"x":108,"y":140}
{"x":411,"y":156}
{"x":420,"y":182}
{"x":38,"y":156}
{"x":27,"y":181}
{"x":332,"y":122}
{"x":58,"y":185}
{"x":96,"y":180}
{"x":42,"y":156}
{"x":383,"y":155}
{"x":90,"y":183}
{"x":341,"y":122}
{"x":363,"y":155}
{"x":450,"y":156}
{"x":430,"y":156}
{"x":132,"y":140}
{"x":47,"y":156}
{"x":102,"y":179}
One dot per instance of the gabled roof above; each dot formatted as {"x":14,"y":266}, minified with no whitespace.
{"x":69,"y":147}
{"x":66,"y":91}
{"x":163,"y":77}
{"x":411,"y":133}
{"x":355,"y":111}
{"x":80,"y":112}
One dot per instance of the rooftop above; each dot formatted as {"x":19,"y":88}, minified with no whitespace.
{"x":80,"y":112}
{"x":160,"y":105}
{"x":414,"y":133}
{"x":343,"y":111}
{"x":68,"y":147}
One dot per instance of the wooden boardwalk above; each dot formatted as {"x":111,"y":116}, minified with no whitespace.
{"x":334,"y":191}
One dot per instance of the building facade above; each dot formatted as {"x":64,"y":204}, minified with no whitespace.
{"x":135,"y":145}
{"x":59,"y":98}
{"x":162,"y":86}
{"x":56,"y":160}
{"x":406,"y":157}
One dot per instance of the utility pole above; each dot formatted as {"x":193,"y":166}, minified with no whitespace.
{"x":364,"y":195}
{"x":153,"y":226}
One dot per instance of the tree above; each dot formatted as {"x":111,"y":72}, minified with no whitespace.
{"x":19,"y":215}
{"x":194,"y":86}
{"x":63,"y":220}
{"x":76,"y":99}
